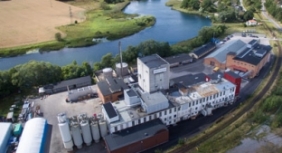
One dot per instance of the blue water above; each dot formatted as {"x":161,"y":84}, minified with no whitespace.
{"x":171,"y":26}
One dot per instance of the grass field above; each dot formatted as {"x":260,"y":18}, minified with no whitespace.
{"x":26,"y":22}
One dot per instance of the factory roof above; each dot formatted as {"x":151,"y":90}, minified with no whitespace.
{"x":131,"y":93}
{"x":34,"y":136}
{"x":235,"y":46}
{"x":253,"y":42}
{"x":134,"y":134}
{"x":86,"y":79}
{"x":153,"y":61}
{"x":202,"y":90}
{"x":111,"y":112}
{"x":153,"y":98}
{"x":203,"y":49}
{"x":214,"y":76}
{"x":255,"y":55}
{"x":178,"y":58}
{"x":111,"y":85}
{"x":188,"y":80}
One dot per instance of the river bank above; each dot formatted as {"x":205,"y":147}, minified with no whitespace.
{"x":103,"y":21}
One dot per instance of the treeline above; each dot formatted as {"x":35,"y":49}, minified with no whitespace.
{"x":270,"y":110}
{"x":274,"y":9}
{"x":162,"y":48}
{"x":253,"y":4}
{"x":33,"y":74}
{"x":227,"y":11}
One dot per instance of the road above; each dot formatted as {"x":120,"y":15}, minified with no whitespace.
{"x":241,"y":3}
{"x":265,"y":15}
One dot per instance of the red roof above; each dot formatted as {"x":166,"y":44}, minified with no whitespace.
{"x":239,"y":68}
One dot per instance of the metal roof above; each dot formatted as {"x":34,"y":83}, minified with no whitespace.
{"x":72,"y":82}
{"x":33,"y":139}
{"x":253,"y":42}
{"x":178,"y":58}
{"x":153,"y":61}
{"x":5,"y":132}
{"x":134,"y":134}
{"x":111,"y":85}
{"x":251,"y":56}
{"x":188,"y":80}
{"x":235,"y":46}
{"x":131,"y":93}
{"x":203,"y":49}
{"x":110,"y":110}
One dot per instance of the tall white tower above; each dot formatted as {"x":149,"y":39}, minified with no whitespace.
{"x":153,"y":73}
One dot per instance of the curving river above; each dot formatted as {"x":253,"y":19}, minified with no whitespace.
{"x":171,"y":26}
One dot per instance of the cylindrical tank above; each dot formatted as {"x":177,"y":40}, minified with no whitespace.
{"x":86,"y":133}
{"x":108,"y":72}
{"x":76,"y":135}
{"x":95,"y":131}
{"x":122,"y":69}
{"x":103,"y":128}
{"x":66,"y":136}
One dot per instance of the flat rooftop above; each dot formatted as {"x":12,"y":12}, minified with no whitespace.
{"x":199,"y":91}
{"x":134,"y":134}
{"x":178,"y":58}
{"x":153,"y":61}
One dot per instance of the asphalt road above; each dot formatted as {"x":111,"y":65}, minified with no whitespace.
{"x":188,"y":128}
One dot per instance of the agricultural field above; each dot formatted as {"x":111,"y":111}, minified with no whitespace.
{"x":25,"y":22}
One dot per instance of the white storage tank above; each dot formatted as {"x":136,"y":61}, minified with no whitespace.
{"x":66,"y":136}
{"x":103,"y":128}
{"x":86,"y":133}
{"x":95,"y":131}
{"x":121,"y":69}
{"x":108,"y":72}
{"x":76,"y":134}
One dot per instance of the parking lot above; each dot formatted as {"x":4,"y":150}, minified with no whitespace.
{"x":54,"y":104}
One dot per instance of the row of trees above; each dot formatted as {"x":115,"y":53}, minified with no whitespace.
{"x":274,"y":9}
{"x":254,"y":4}
{"x":34,"y":73}
{"x":162,"y":48}
{"x":205,"y":5}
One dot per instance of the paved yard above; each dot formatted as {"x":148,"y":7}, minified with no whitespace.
{"x":55,"y":104}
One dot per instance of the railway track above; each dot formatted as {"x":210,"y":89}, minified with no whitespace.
{"x":259,"y":96}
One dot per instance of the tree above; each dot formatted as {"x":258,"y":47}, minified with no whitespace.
{"x":248,"y":15}
{"x":194,"y":4}
{"x":107,"y":60}
{"x":58,"y":36}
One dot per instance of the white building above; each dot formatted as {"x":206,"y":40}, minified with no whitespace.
{"x":153,"y":73}
{"x":5,"y":134}
{"x":179,"y":105}
{"x":251,"y":23}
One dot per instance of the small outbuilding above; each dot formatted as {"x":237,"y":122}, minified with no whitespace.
{"x":137,"y":138}
{"x":203,"y":50}
{"x":179,"y":59}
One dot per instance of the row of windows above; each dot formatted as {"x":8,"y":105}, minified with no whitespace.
{"x":240,"y":63}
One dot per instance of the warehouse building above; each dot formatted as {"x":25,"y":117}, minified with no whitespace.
{"x":218,"y":57}
{"x":153,"y":73}
{"x":34,"y":138}
{"x":5,"y":134}
{"x":111,"y":89}
{"x":250,"y":61}
{"x":187,"y":80}
{"x":138,"y":138}
{"x":179,"y":59}
{"x":203,"y":50}
{"x":235,"y":79}
{"x":66,"y":85}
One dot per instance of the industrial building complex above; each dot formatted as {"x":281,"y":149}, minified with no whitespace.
{"x":135,"y":109}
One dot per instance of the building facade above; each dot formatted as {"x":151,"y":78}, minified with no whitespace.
{"x":153,"y":73}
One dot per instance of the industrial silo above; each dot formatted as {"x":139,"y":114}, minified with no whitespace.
{"x":95,"y":130}
{"x":65,"y":132}
{"x":76,"y":134}
{"x":121,"y":69}
{"x":103,"y":127}
{"x":108,"y":72}
{"x":85,"y":128}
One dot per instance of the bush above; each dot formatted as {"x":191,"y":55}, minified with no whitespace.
{"x":58,"y":36}
{"x":105,"y":6}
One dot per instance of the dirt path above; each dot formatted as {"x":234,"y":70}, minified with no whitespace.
{"x":32,"y":21}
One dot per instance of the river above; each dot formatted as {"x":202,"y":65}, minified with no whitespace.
{"x":171,"y":26}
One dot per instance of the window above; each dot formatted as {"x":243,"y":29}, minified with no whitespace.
{"x":169,"y":111}
{"x":133,"y":123}
{"x":193,"y":103}
{"x":174,"y":116}
{"x":197,"y":102}
{"x":189,"y":104}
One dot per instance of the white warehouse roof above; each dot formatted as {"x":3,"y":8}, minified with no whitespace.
{"x":5,"y":133}
{"x":34,"y":136}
